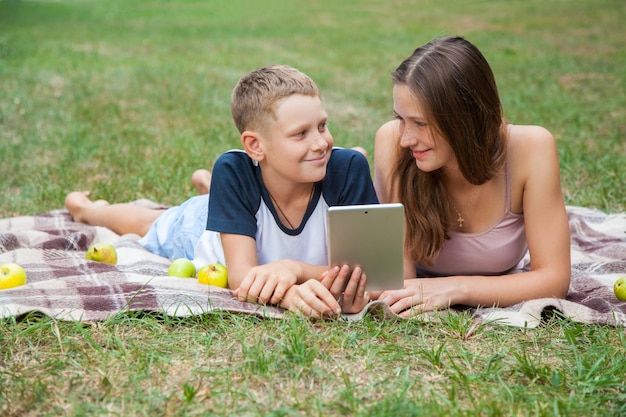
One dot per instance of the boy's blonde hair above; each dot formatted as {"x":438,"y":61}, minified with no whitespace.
{"x":256,"y":95}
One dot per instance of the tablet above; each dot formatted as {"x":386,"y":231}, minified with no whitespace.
{"x":371,"y":236}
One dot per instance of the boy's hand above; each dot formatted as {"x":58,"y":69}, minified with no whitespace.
{"x":266,"y":284}
{"x":312,"y":299}
{"x":330,"y":295}
{"x":351,"y":296}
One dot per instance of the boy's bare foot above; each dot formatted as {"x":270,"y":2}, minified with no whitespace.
{"x":360,"y":149}
{"x":201,"y":179}
{"x":77,"y":202}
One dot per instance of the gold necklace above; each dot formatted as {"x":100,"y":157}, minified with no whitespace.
{"x":459,"y":219}
{"x":282,"y":213}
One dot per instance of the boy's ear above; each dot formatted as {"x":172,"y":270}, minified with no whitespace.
{"x":252,"y":145}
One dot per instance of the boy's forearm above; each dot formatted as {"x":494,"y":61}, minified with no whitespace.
{"x":308,"y":271}
{"x":304,"y":271}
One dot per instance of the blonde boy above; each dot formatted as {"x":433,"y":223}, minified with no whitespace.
{"x":265,"y":215}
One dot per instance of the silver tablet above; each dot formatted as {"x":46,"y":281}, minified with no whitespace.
{"x":371,"y":236}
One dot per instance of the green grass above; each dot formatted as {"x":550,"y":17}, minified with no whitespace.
{"x":231,"y":365}
{"x":127,"y":98}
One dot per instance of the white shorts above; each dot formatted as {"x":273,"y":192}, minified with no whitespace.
{"x":177,"y":231}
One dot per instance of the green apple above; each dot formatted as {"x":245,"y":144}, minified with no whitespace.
{"x":182,"y":268}
{"x":619,"y":288}
{"x":11,"y":275}
{"x":213,"y":274}
{"x":102,"y":252}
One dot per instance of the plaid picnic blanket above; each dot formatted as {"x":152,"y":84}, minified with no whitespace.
{"x":62,"y":284}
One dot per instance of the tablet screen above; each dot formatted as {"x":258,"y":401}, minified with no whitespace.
{"x":371,"y":236}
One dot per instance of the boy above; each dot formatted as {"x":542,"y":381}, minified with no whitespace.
{"x":265,"y":215}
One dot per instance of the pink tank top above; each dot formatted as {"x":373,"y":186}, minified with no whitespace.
{"x":495,"y":251}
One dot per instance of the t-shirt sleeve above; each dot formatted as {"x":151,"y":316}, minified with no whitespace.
{"x":348,"y":179}
{"x":234,"y":197}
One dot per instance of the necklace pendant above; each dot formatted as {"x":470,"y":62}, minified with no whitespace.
{"x":460,"y":219}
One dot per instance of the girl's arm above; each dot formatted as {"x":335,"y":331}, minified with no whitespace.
{"x":534,"y":160}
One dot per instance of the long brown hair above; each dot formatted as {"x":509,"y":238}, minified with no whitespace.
{"x":454,"y":84}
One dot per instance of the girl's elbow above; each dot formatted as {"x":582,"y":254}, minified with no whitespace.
{"x":564,"y":279}
{"x":562,"y":293}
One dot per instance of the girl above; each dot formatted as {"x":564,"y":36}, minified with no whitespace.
{"x":479,"y":193}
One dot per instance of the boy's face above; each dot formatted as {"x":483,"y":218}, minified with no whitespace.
{"x":298,"y":143}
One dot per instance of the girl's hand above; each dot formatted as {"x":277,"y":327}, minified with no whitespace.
{"x":419,"y":295}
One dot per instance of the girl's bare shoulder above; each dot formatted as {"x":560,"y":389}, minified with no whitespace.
{"x":389,"y":130}
{"x":528,"y":143}
{"x":523,"y":137}
{"x":533,"y":155}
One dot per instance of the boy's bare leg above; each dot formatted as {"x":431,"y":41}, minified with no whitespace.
{"x":121,"y":218}
{"x":201,"y":179}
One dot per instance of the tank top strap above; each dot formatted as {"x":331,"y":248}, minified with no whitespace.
{"x":507,"y":175}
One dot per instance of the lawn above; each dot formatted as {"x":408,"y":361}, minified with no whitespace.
{"x":126,"y":99}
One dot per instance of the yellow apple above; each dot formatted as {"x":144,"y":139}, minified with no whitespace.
{"x":619,"y":288}
{"x":11,"y":275}
{"x":213,"y":274}
{"x":102,"y":252}
{"x":182,"y":268}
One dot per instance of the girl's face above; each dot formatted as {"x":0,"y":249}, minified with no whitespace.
{"x":430,"y":150}
{"x":298,"y":144}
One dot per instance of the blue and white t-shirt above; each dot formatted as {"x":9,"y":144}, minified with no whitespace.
{"x":239,"y":204}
